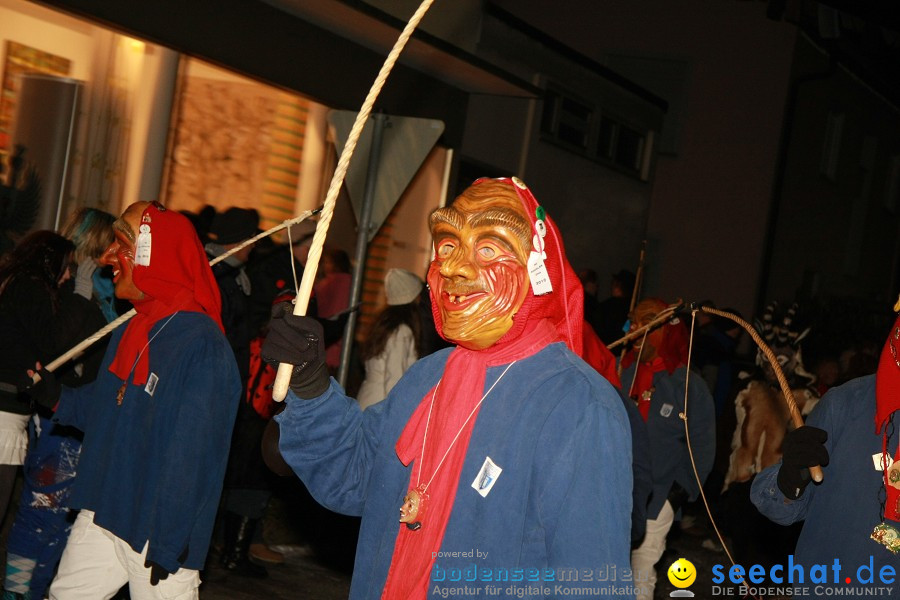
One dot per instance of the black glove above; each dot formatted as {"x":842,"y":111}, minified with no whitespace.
{"x":157,"y":572}
{"x":333,"y":328}
{"x":802,"y":448}
{"x":298,"y":341}
{"x":44,"y":393}
{"x":678,"y":496}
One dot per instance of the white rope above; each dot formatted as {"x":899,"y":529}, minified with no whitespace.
{"x":282,"y":380}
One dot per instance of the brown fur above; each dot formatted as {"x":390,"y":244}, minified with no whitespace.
{"x":763,"y":419}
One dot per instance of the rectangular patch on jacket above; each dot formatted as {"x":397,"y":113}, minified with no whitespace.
{"x":487,"y":477}
{"x":151,"y":383}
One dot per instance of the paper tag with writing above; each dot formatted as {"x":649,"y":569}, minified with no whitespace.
{"x":151,"y":383}
{"x":142,"y":249}
{"x":876,"y":460}
{"x":537,"y":272}
{"x":486,"y":477}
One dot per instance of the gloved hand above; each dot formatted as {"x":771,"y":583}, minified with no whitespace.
{"x":45,"y":392}
{"x":157,"y":572}
{"x":298,"y":341}
{"x":802,"y":448}
{"x":678,"y":496}
{"x":84,"y":278}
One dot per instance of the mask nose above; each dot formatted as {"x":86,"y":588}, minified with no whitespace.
{"x":458,"y":264}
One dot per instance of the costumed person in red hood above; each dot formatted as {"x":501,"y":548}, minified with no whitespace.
{"x":654,"y":378}
{"x":505,"y":454}
{"x":157,"y":421}
{"x":853,"y":515}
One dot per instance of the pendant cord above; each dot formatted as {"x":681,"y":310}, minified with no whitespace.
{"x":456,"y":437}
{"x":637,"y":364}
{"x":158,"y":331}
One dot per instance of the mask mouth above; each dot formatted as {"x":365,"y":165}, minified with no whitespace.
{"x":460,"y":301}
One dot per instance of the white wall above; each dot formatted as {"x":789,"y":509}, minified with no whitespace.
{"x":49,"y":31}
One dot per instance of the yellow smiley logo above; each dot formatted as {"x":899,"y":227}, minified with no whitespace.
{"x":682,"y":573}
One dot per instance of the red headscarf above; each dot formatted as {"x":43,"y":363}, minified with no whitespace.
{"x":673,"y":349}
{"x":671,"y":354}
{"x":178,"y":278}
{"x":541,"y":320}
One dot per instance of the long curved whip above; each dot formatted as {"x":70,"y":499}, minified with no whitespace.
{"x":282,"y":379}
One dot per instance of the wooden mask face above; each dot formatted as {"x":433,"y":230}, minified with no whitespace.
{"x":479,"y":276}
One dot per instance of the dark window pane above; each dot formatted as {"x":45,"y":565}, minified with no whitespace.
{"x":548,"y":117}
{"x":571,"y":135}
{"x":629,"y":148}
{"x":576,"y":110}
{"x":606,"y":138}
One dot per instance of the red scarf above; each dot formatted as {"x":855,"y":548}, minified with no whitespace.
{"x":887,"y":401}
{"x":178,"y":278}
{"x":671,"y":354}
{"x":541,"y":320}
{"x":887,"y":379}
{"x":596,"y":354}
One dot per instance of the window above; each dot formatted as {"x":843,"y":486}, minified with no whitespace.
{"x":589,"y":131}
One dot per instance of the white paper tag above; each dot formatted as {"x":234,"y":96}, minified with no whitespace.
{"x":876,"y":460}
{"x":666,"y":410}
{"x":142,"y":249}
{"x":486,"y":477}
{"x":151,"y":383}
{"x":537,"y":271}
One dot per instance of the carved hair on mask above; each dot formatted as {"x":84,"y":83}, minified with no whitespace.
{"x":783,"y":337}
{"x":478,"y":276}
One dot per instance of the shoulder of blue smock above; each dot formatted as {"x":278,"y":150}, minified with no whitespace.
{"x":152,"y":468}
{"x":557,"y":429}
{"x":669,"y":457}
{"x":839,"y":513}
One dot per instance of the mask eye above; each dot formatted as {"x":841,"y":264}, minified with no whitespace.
{"x":445,"y":248}
{"x":487,"y":252}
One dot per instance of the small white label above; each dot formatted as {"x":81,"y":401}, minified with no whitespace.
{"x":151,"y":383}
{"x":486,"y":477}
{"x":876,"y":460}
{"x":142,"y":249}
{"x":666,"y":410}
{"x":541,"y":228}
{"x":537,"y":271}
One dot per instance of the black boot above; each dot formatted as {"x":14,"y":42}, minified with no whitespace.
{"x":238,"y":535}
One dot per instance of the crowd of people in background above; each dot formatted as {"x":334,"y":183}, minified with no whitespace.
{"x":56,"y":285}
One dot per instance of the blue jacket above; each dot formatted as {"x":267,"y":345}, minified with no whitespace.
{"x":562,"y":502}
{"x":152,"y":467}
{"x":669,"y":458}
{"x":841,"y":512}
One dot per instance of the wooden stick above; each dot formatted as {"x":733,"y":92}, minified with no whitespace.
{"x":76,"y":350}
{"x":635,"y":293}
{"x":282,"y":379}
